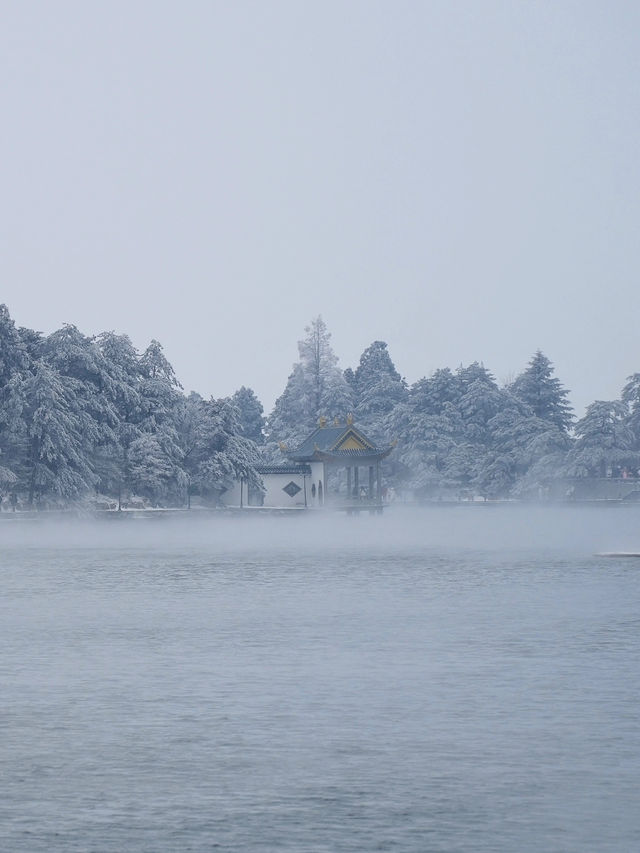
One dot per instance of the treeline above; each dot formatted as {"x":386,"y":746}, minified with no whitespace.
{"x":458,"y":433}
{"x":82,"y":417}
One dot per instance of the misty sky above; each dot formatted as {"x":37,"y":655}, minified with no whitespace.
{"x":460,"y":179}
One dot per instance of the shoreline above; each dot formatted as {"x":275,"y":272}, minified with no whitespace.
{"x":210,"y":513}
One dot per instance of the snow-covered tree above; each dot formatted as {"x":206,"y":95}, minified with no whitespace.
{"x":251,"y":414}
{"x":290,"y":421}
{"x":152,"y":472}
{"x":13,"y":356}
{"x":525,"y":454}
{"x":158,"y":387}
{"x":13,"y":364}
{"x":480,"y":400}
{"x":215,"y":452}
{"x":152,"y":457}
{"x":79,"y":360}
{"x":631,"y":398}
{"x":377,"y":385}
{"x":327,"y":392}
{"x":543,"y":392}
{"x":316,"y":388}
{"x":124,"y":390}
{"x":59,"y":435}
{"x":428,"y":427}
{"x":604,"y":441}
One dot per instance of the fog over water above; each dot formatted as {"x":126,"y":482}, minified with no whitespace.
{"x":445,"y":679}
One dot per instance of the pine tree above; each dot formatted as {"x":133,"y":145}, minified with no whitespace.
{"x":251,"y":414}
{"x":80,"y":361}
{"x":13,"y":365}
{"x":604,"y":441}
{"x":378,"y":385}
{"x":543,"y":392}
{"x":631,"y":398}
{"x":327,"y":392}
{"x":216,"y":454}
{"x":59,"y":436}
{"x":124,"y":390}
{"x":480,"y":400}
{"x":316,"y":387}
{"x":151,"y":471}
{"x":13,"y":356}
{"x":428,"y":428}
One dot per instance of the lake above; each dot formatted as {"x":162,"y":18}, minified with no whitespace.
{"x":437,"y":679}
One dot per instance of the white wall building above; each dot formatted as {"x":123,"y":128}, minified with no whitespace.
{"x":301,"y":483}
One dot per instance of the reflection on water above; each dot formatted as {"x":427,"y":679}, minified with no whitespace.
{"x":442,"y":680}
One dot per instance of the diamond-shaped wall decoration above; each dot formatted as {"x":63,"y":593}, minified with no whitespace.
{"x":291,"y":489}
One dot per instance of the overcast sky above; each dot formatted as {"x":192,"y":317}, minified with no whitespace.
{"x":459,"y":179}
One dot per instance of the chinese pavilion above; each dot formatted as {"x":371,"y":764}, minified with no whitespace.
{"x":339,"y":454}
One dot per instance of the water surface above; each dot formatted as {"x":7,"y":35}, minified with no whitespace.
{"x":430,"y":681}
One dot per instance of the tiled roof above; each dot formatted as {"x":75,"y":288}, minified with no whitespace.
{"x":283,"y":469}
{"x":352,"y":453}
{"x":321,"y":438}
{"x":324,"y":441}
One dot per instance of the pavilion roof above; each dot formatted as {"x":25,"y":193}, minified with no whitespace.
{"x":331,"y":443}
{"x":283,"y":469}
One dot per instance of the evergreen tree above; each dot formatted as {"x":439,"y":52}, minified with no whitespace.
{"x":152,"y":471}
{"x":251,"y":414}
{"x":480,"y":400}
{"x":80,"y":362}
{"x":33,"y":343}
{"x":428,"y":427}
{"x":437,"y":394}
{"x":13,"y":356}
{"x":13,"y":365}
{"x":350,"y":379}
{"x":59,"y":435}
{"x":217,"y":454}
{"x":315,"y":388}
{"x":543,"y":392}
{"x":327,"y":392}
{"x":124,"y":390}
{"x":378,"y":386}
{"x":525,"y":454}
{"x":159,"y":398}
{"x":631,"y":398}
{"x":604,"y":441}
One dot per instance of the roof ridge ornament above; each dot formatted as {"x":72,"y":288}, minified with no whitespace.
{"x":350,"y":419}
{"x":322,"y":422}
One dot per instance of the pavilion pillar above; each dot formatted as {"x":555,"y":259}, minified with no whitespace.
{"x":356,"y":485}
{"x":371,"y":498}
{"x":378,"y":484}
{"x":349,"y":495}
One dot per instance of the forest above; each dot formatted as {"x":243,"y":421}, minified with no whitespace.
{"x":91,"y":420}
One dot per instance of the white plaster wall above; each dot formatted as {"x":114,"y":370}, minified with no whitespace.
{"x":274,"y":494}
{"x":276,"y":497}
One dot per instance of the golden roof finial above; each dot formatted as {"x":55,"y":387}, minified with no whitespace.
{"x":336,"y":421}
{"x":349,"y":419}
{"x":322,"y":421}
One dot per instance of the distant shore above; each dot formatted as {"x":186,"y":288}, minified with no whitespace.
{"x":204,"y":513}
